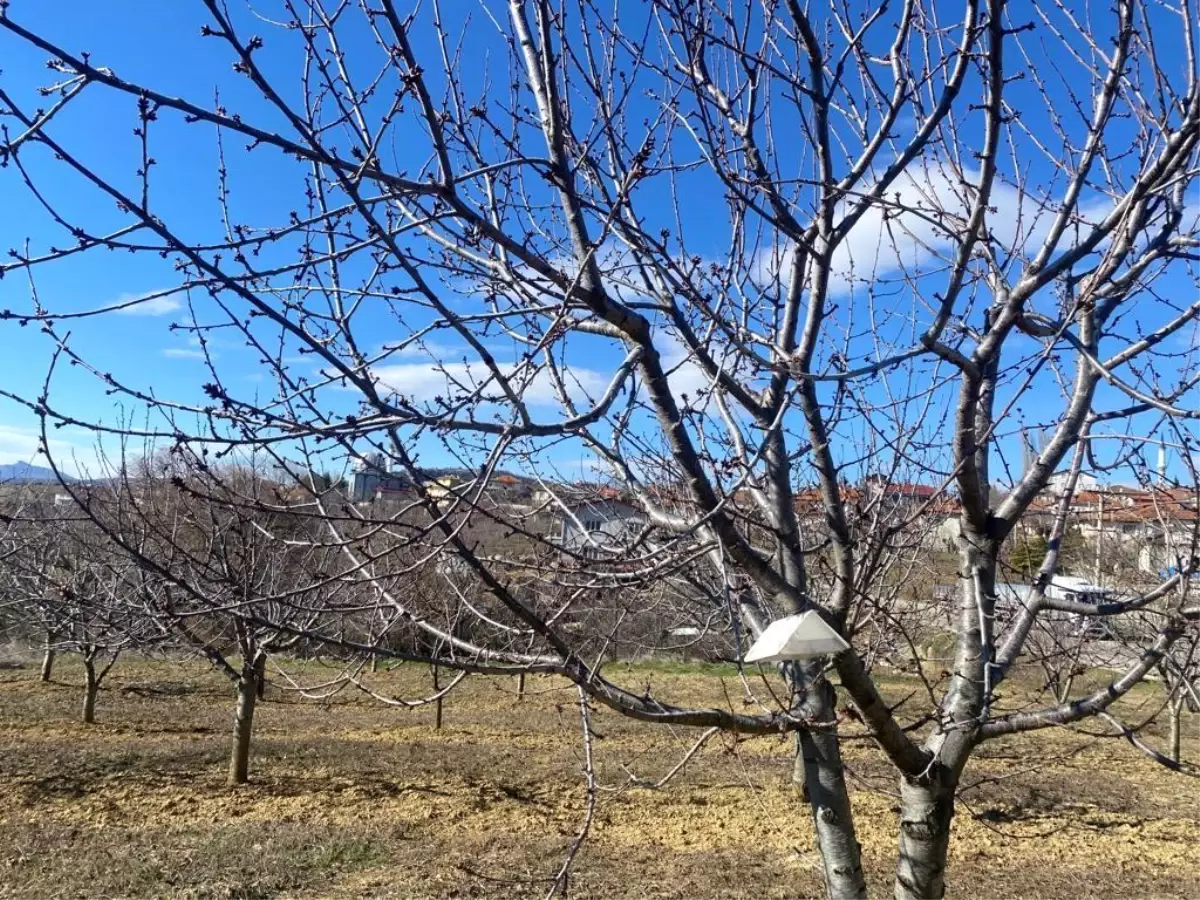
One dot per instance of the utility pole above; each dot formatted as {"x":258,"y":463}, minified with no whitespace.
{"x":1098,"y":572}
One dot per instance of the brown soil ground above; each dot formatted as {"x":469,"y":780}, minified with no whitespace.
{"x":350,"y":798}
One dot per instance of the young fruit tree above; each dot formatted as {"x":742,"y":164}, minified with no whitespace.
{"x":757,"y":299}
{"x":65,"y":580}
{"x":220,"y":566}
{"x":19,"y":620}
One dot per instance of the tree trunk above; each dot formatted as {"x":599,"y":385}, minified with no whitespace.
{"x":243,"y":723}
{"x":47,"y":664}
{"x":437,"y":704}
{"x":824,"y":785}
{"x":91,"y":687}
{"x":1064,"y":688}
{"x":927,"y":802}
{"x":1176,"y":708}
{"x":260,"y":677}
{"x":926,"y":809}
{"x":798,"y":770}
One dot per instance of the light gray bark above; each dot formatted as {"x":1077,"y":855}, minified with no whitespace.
{"x":798,"y":781}
{"x":926,"y":808}
{"x":1176,"y":731}
{"x":927,"y":801}
{"x":47,"y":664}
{"x":1063,"y":688}
{"x":243,"y":724}
{"x":824,"y":784}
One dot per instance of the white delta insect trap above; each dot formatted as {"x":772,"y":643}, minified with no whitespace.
{"x":796,"y":637}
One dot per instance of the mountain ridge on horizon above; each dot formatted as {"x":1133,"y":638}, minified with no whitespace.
{"x":27,"y":471}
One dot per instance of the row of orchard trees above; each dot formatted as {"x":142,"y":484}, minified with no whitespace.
{"x":154,"y":562}
{"x":174,"y":556}
{"x":65,"y":583}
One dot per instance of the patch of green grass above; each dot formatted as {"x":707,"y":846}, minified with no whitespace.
{"x":674,"y":667}
{"x":342,"y":855}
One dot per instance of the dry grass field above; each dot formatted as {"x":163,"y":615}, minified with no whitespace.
{"x":352,"y":799}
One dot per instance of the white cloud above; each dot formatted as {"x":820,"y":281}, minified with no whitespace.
{"x":151,"y":303}
{"x":684,"y":375}
{"x":916,"y":226}
{"x":427,"y":348}
{"x":18,"y":444}
{"x":424,"y":381}
{"x":182,"y":353}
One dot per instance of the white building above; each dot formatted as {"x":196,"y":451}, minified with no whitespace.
{"x":1059,"y":482}
{"x":599,"y":527}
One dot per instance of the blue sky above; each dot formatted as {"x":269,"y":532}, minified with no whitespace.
{"x":160,"y":43}
{"x":146,"y":39}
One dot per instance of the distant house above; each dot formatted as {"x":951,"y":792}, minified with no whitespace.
{"x":598,"y":527}
{"x":372,"y":481}
{"x":932,"y":512}
{"x":442,"y":487}
{"x":900,"y":493}
{"x":1060,"y":481}
{"x":1156,"y":522}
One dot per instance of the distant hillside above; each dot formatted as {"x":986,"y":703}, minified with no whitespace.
{"x":23,"y":471}
{"x":458,"y":473}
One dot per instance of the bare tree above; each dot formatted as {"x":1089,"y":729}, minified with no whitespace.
{"x":220,"y":571}
{"x":71,"y":584}
{"x":19,"y":620}
{"x":1182,"y":679}
{"x":505,"y":249}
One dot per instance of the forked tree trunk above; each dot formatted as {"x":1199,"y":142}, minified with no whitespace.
{"x":243,"y":725}
{"x":926,"y":809}
{"x":824,"y":785}
{"x":927,"y":802}
{"x":91,"y":686}
{"x":47,"y":664}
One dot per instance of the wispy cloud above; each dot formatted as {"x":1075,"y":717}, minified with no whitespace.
{"x":151,"y":303}
{"x":583,"y":377}
{"x":182,"y":353}
{"x":912,"y":231}
{"x":423,"y":382}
